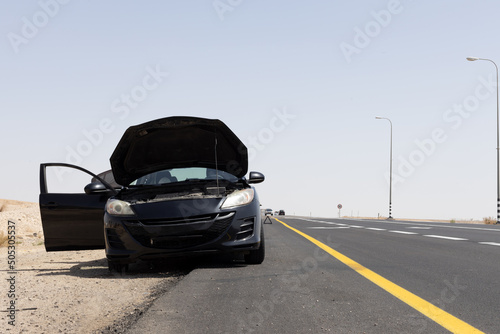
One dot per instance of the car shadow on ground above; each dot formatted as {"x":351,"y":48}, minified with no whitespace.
{"x":171,"y":267}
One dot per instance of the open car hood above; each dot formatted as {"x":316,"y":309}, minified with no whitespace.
{"x":177,"y":142}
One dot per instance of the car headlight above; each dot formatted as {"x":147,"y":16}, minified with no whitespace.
{"x":118,"y":208}
{"x":238,"y":198}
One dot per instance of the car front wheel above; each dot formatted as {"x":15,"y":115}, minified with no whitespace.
{"x":257,"y":256}
{"x":117,"y":267}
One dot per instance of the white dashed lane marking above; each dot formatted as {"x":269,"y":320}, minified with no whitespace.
{"x":345,"y":226}
{"x":444,"y":237}
{"x":327,"y":227}
{"x":490,"y":243}
{"x":403,"y":232}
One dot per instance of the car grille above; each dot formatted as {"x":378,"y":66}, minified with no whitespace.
{"x":173,"y":221}
{"x":164,"y":239}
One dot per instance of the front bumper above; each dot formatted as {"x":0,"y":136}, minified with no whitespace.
{"x":158,"y":231}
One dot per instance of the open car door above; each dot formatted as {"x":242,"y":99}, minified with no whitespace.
{"x":73,"y":221}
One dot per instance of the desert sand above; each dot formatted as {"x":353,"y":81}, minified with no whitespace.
{"x":68,"y":292}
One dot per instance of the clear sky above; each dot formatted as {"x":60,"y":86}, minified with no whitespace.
{"x":300,"y":82}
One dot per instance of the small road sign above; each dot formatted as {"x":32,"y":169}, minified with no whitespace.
{"x":339,"y":206}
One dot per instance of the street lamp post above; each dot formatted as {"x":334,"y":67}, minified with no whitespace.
{"x":390,"y":172}
{"x":498,"y":139}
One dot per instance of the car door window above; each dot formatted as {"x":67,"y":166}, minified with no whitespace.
{"x":71,"y":218}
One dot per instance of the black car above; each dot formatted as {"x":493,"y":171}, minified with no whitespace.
{"x":177,"y":186}
{"x":281,"y":212}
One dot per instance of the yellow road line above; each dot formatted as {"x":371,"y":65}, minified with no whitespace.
{"x":443,"y":318}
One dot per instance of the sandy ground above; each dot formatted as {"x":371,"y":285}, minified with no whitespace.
{"x":69,"y":292}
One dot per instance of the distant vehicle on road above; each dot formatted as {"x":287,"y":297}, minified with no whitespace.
{"x":281,"y":212}
{"x":268,"y":212}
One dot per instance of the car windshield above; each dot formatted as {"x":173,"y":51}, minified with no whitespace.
{"x":183,"y":174}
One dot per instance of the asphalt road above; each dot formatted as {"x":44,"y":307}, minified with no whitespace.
{"x":377,"y":277}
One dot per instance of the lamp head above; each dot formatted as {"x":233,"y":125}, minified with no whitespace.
{"x":472,"y":58}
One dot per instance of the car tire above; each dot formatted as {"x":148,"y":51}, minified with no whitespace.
{"x":117,"y":267}
{"x":257,"y":256}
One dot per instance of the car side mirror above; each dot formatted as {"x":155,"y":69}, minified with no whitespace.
{"x":95,"y":188}
{"x":256,"y":177}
